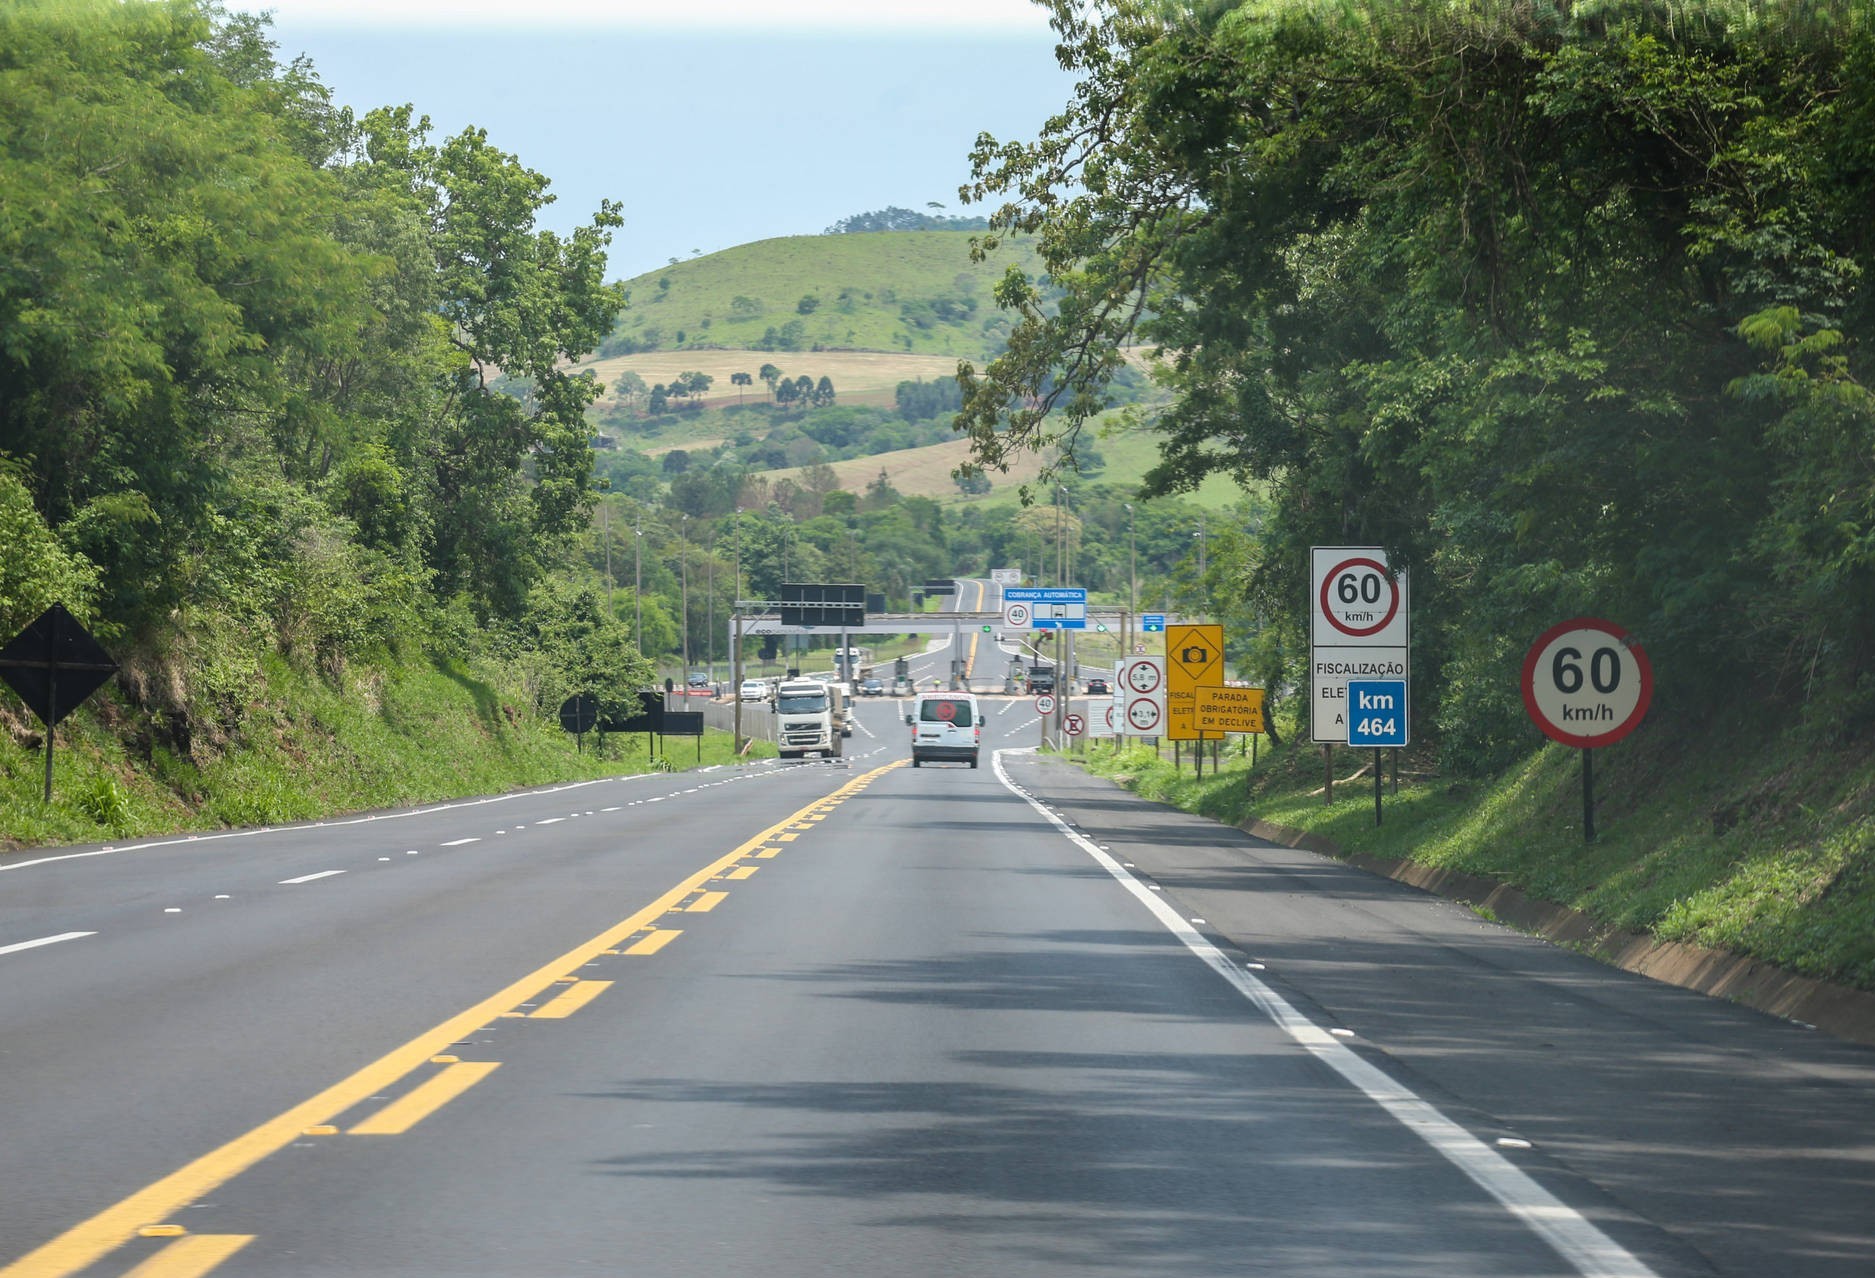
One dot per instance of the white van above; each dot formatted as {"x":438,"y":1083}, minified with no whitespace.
{"x":945,"y":726}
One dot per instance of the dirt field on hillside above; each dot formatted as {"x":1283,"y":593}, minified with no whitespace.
{"x":919,"y":472}
{"x":858,"y":377}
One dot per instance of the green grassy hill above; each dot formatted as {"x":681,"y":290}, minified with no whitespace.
{"x":915,"y":291}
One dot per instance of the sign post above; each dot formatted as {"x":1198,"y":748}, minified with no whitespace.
{"x":1377,"y":717}
{"x":1587,"y":683}
{"x":1194,"y":657}
{"x":1358,"y":608}
{"x":54,"y":665}
{"x":1141,"y":686}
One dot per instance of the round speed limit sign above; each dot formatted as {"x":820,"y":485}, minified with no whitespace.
{"x":1045,"y":704}
{"x":1586,"y":683}
{"x":1359,"y":597}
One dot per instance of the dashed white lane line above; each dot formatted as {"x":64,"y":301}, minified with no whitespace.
{"x":550,"y":821}
{"x":456,"y":843}
{"x":17,"y":946}
{"x":308,"y":878}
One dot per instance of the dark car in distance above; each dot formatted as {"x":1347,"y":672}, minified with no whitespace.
{"x":1098,"y":688}
{"x":872,"y":687}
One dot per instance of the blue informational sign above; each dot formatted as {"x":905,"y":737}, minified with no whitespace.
{"x":1152,"y":622}
{"x":1058,"y":608}
{"x":1376,"y":712}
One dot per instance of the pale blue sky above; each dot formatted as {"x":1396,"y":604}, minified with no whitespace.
{"x":715,"y":125}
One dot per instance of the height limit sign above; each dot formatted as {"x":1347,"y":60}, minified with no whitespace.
{"x":1358,"y":630}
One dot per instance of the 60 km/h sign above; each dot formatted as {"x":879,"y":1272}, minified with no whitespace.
{"x":1586,"y":682}
{"x":1359,"y":597}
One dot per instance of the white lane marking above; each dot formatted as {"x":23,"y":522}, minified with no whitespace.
{"x":17,"y":946}
{"x":288,"y":829}
{"x":1592,"y":1253}
{"x":456,"y":843}
{"x":550,"y":821}
{"x":608,"y":809}
{"x":1007,"y":707}
{"x":308,"y":878}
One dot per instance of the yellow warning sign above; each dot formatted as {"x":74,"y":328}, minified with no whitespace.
{"x":1229,"y":709}
{"x":1194,"y":658}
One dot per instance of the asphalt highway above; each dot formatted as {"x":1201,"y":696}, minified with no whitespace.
{"x":852,"y":1018}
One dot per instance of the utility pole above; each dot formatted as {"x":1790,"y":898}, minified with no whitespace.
{"x":709,"y":609}
{"x":1132,"y":583}
{"x":683,"y":568}
{"x":638,"y":587}
{"x":735,"y":643}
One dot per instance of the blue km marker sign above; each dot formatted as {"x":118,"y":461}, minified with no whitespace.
{"x":1152,"y":621}
{"x":1376,"y":712}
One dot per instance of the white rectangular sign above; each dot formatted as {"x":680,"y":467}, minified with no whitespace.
{"x":1359,"y":629}
{"x":1141,"y":692}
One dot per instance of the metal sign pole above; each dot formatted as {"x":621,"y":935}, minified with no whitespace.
{"x":1378,"y":763}
{"x":735,"y":658}
{"x":1588,"y":795}
{"x":52,"y":716}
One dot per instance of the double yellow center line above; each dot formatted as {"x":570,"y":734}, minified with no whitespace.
{"x":145,"y":1213}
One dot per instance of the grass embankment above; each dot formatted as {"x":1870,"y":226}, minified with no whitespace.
{"x":414,"y":733}
{"x":1720,"y":836}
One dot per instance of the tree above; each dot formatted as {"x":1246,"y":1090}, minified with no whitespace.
{"x":740,"y":380}
{"x":770,"y":375}
{"x":629,"y":386}
{"x":1397,"y":260}
{"x":823,"y":392}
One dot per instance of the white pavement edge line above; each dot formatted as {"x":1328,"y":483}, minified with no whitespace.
{"x":17,"y":946}
{"x":1591,"y":1252}
{"x":313,"y":825}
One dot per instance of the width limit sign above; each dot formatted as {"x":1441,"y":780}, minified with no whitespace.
{"x":1358,"y":630}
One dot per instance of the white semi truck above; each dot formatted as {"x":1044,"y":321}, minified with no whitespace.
{"x":808,"y":718}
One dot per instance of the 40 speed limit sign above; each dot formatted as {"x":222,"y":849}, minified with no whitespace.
{"x":1586,"y":682}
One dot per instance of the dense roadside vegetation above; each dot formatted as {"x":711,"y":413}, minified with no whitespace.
{"x":251,"y":427}
{"x":1568,"y":307}
{"x":404,"y":732}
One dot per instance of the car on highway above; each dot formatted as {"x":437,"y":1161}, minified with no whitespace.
{"x":872,"y":687}
{"x":697,"y":679}
{"x":752,"y":690}
{"x":946,"y":727}
{"x":1099,"y":688}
